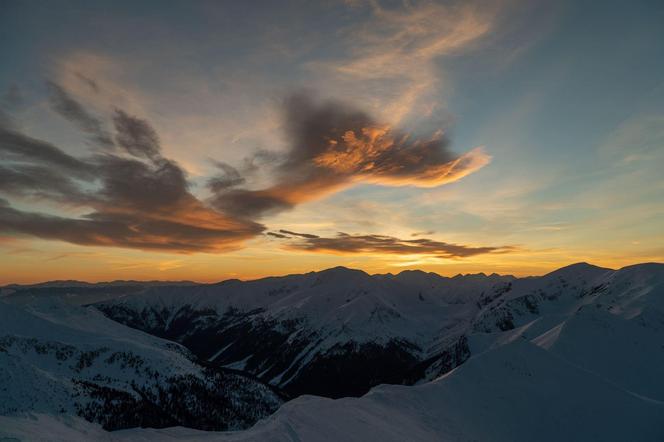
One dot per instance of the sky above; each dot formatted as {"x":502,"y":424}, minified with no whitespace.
{"x":195,"y":140}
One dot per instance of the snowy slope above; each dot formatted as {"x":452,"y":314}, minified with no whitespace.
{"x":61,"y":359}
{"x":337,"y":332}
{"x":585,"y":366}
{"x":77,"y":292}
{"x":516,"y":393}
{"x":610,"y":323}
{"x":575,"y":355}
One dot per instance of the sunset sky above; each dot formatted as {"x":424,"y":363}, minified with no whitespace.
{"x":213,"y":140}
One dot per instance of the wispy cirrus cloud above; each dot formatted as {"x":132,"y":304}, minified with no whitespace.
{"x":392,"y":62}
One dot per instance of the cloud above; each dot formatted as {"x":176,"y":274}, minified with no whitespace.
{"x":132,"y":196}
{"x":39,"y":182}
{"x":334,"y":146}
{"x":136,"y":136}
{"x":277,"y":235}
{"x":138,"y":200}
{"x":15,"y":146}
{"x":381,"y":244}
{"x":428,"y":232}
{"x":230,"y":177}
{"x":89,"y":82}
{"x":392,"y":62}
{"x":132,"y":230}
{"x":302,"y":235}
{"x":65,"y":105}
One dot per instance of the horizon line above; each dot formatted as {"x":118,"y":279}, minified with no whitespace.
{"x":192,"y":282}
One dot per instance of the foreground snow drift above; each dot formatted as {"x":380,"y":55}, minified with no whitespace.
{"x":518,"y":392}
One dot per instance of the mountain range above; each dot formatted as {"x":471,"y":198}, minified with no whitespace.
{"x":576,"y":354}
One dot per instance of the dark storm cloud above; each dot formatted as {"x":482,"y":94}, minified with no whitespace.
{"x":72,"y":110}
{"x":332,"y":146}
{"x":381,"y":244}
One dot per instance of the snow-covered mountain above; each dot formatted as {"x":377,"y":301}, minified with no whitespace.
{"x":77,"y":292}
{"x":67,"y":360}
{"x":574,"y":355}
{"x":334,"y":333}
{"x":610,"y":323}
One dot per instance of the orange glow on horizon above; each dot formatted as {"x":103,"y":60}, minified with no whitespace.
{"x":95,"y":264}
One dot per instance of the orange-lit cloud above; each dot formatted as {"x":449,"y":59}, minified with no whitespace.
{"x":135,"y":197}
{"x":364,"y":157}
{"x":334,"y":146}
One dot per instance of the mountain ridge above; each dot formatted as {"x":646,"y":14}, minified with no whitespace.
{"x":576,"y":353}
{"x":328,"y":318}
{"x":190,"y":282}
{"x":73,"y":360}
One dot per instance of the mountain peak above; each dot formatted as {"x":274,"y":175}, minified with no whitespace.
{"x":579,"y":269}
{"x":653,"y":266}
{"x":341,"y":270}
